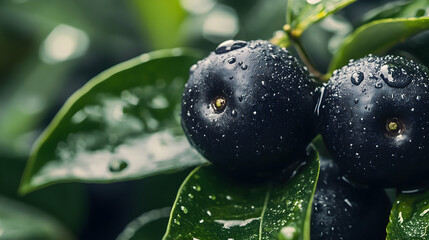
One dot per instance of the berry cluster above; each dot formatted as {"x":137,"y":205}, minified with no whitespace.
{"x":251,"y":106}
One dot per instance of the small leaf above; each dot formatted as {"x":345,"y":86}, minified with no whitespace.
{"x":211,"y":205}
{"x":18,"y":221}
{"x":280,"y":39}
{"x":409,"y":218}
{"x":377,"y":37}
{"x":301,"y":14}
{"x":398,"y":9}
{"x":123,"y":124}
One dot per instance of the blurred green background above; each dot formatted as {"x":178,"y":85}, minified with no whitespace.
{"x":49,"y":49}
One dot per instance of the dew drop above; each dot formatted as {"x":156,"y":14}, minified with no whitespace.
{"x":229,"y":45}
{"x":184,"y":209}
{"x":395,"y":76}
{"x":231,"y":60}
{"x":117,"y":165}
{"x":289,"y":232}
{"x":196,"y":187}
{"x":234,"y":113}
{"x":379,"y":85}
{"x":193,"y":68}
{"x":357,"y":78}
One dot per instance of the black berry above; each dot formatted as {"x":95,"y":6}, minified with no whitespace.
{"x":248,"y":105}
{"x":375,"y":121}
{"x":341,"y":211}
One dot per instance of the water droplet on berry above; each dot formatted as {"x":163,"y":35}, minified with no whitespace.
{"x":379,"y":85}
{"x":231,"y":60}
{"x":229,"y":45}
{"x":357,"y":78}
{"x":395,"y":76}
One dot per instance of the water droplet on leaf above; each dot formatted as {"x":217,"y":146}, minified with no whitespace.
{"x":117,"y":165}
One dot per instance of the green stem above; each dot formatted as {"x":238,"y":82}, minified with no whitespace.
{"x":320,"y":77}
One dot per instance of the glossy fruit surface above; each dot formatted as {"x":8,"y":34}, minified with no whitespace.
{"x":341,"y":211}
{"x":248,"y":105}
{"x":374,"y":117}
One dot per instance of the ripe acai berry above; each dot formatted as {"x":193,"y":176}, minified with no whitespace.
{"x":341,"y":211}
{"x":248,"y":105}
{"x":374,"y":116}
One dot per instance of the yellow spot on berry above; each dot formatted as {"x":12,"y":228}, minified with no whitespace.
{"x":219,"y":103}
{"x":393,"y":126}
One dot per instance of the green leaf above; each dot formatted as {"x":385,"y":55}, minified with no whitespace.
{"x":210,"y":205}
{"x":20,"y":222}
{"x":398,"y":9}
{"x":123,"y":124}
{"x":377,"y":37}
{"x":301,"y":14}
{"x":409,"y":218}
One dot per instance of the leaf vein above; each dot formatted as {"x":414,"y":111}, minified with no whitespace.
{"x":264,"y":208}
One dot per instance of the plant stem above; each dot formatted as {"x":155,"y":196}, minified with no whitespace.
{"x":320,"y":77}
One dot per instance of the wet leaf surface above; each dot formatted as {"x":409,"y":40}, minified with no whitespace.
{"x":124,"y":124}
{"x":210,"y":205}
{"x":389,"y":32}
{"x":409,"y":218}
{"x":302,"y":14}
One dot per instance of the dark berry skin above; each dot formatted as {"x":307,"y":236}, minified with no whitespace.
{"x":341,"y":211}
{"x":374,"y":116}
{"x":248,"y":105}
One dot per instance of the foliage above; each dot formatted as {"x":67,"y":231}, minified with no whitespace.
{"x":124,"y":123}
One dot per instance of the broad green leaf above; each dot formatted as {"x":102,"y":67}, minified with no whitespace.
{"x":398,"y":9}
{"x":377,"y":37}
{"x":21,"y":222}
{"x":210,"y":205}
{"x":409,"y":218}
{"x":123,"y":124}
{"x":301,"y":14}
